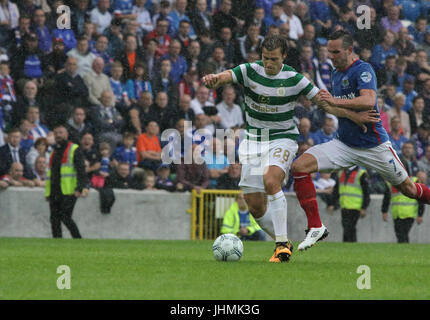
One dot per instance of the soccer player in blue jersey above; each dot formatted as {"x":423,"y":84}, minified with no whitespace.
{"x":353,"y":88}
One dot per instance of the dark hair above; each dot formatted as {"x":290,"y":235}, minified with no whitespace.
{"x":274,"y":42}
{"x":416,"y":98}
{"x":347,"y":40}
{"x":41,"y":140}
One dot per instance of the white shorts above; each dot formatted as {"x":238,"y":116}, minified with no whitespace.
{"x":335,"y":155}
{"x":255,"y":157}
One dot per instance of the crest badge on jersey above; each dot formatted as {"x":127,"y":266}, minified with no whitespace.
{"x":345,"y":82}
{"x":366,"y":76}
{"x":280,"y":91}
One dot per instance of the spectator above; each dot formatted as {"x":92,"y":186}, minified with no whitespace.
{"x":251,"y":42}
{"x":189,"y":83}
{"x":404,"y":46}
{"x":200,"y":19}
{"x":108,"y":122}
{"x":126,"y":152}
{"x":388,"y":75}
{"x":192,"y":176}
{"x":424,"y":162}
{"x":140,"y":112}
{"x":132,"y":27}
{"x":296,"y":27}
{"x":70,"y":87}
{"x":148,"y":147}
{"x":42,"y":31}
{"x":305,"y":131}
{"x":346,"y":21}
{"x":308,"y":37}
{"x":38,"y":129}
{"x":231,"y":179}
{"x":100,"y":50}
{"x":28,"y":59}
{"x":55,"y":61}
{"x":123,"y":9}
{"x":160,"y":111}
{"x":326,"y":133}
{"x":420,"y":69}
{"x":305,"y":61}
{"x":9,"y":15}
{"x":397,"y":110}
{"x":408,"y":158}
{"x":179,"y":64}
{"x":115,"y":37}
{"x":323,"y":67}
{"x":7,"y":94}
{"x":39,"y":149}
{"x":150,"y":181}
{"x":416,"y":116}
{"x":389,"y":94}
{"x":229,"y":112}
{"x":216,"y":62}
{"x":184,"y":111}
{"x":27,"y":139}
{"x":91,"y":158}
{"x":409,"y":92}
{"x":228,"y":43}
{"x":302,"y":12}
{"x":382,"y":50}
{"x":68,"y":36}
{"x":12,"y":152}
{"x":149,"y":58}
{"x":18,"y":33}
{"x":28,"y":98}
{"x":77,"y":124}
{"x":425,"y":93}
{"x":119,"y":88}
{"x":183,"y":36}
{"x":223,"y":18}
{"x":15,"y":176}
{"x":258,"y":19}
{"x":101,"y":16}
{"x":120,"y":178}
{"x":160,"y":34}
{"x":163,"y":182}
{"x":143,"y":16}
{"x":426,"y":45}
{"x":275,"y":18}
{"x":421,"y":139}
{"x":138,"y":83}
{"x":162,"y":82}
{"x":178,"y":15}
{"x":320,"y":14}
{"x":90,"y":34}
{"x":83,"y":55}
{"x":237,"y":220}
{"x":216,"y":162}
{"x":40,"y":171}
{"x":96,"y":81}
{"x":396,"y":136}
{"x":391,"y":21}
{"x":129,"y":56}
{"x":400,"y":69}
{"x":418,"y":30}
{"x":79,"y":15}
{"x":105,"y":154}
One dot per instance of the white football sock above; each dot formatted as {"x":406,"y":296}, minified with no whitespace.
{"x":266,"y":222}
{"x":278,"y":207}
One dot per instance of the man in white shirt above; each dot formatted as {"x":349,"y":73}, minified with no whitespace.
{"x":230,"y":113}
{"x":84,"y":56}
{"x":100,"y":16}
{"x":296,"y":28}
{"x":201,"y":100}
{"x":96,"y":81}
{"x":143,"y":16}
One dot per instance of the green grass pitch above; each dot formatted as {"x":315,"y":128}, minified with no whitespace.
{"x":186,"y":270}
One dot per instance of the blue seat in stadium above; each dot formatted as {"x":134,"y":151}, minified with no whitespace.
{"x":411,"y":10}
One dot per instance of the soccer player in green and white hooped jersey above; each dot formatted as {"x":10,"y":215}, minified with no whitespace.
{"x":271,"y":90}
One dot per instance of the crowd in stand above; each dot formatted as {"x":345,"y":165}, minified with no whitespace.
{"x":128,"y":70}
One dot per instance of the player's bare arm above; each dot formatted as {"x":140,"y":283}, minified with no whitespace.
{"x":213,"y":81}
{"x":365,"y":101}
{"x":359,"y":118}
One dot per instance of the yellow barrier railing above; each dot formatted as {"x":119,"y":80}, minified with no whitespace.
{"x":207,"y":211}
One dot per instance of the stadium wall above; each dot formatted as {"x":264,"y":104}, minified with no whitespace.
{"x":162,"y":215}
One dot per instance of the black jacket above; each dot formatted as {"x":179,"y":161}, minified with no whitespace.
{"x":6,"y":161}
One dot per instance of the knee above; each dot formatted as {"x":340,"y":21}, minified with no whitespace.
{"x":257,"y":210}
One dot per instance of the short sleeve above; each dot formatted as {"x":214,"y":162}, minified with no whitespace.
{"x":309,"y":90}
{"x":238,"y":74}
{"x":366,"y":78}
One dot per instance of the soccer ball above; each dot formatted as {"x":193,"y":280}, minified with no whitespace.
{"x":227,"y":247}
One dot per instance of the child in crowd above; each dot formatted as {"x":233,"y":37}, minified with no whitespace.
{"x":150,"y":181}
{"x":163,"y":182}
{"x":126,"y":152}
{"x":105,"y":153}
{"x":139,"y":82}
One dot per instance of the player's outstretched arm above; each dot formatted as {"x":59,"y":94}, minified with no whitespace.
{"x":213,"y":81}
{"x":365,"y":101}
{"x":359,"y":118}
